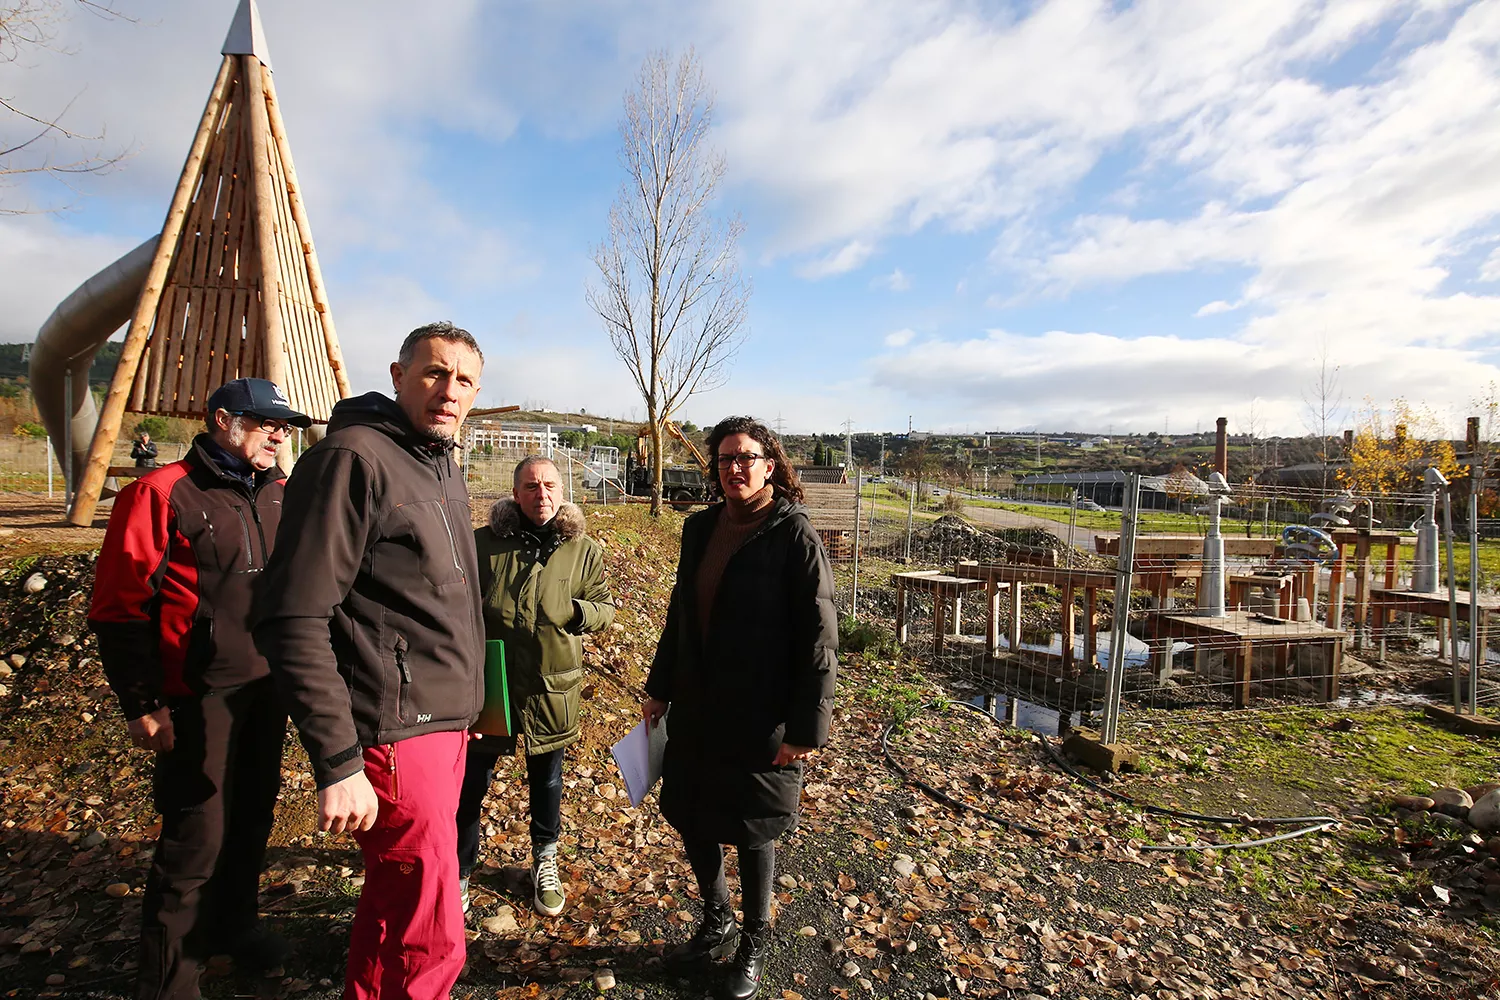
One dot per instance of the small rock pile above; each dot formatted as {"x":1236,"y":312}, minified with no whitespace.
{"x":951,"y":538}
{"x":1465,"y":867}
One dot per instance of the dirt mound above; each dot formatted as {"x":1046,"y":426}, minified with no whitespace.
{"x":951,"y":538}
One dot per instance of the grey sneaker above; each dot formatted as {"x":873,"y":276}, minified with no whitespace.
{"x":463,"y":895}
{"x":547,"y":893}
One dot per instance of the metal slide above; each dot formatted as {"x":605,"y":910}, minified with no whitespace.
{"x":71,"y":337}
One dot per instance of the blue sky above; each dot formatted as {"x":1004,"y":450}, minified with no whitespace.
{"x":1064,"y":214}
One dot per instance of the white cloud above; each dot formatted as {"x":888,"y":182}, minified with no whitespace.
{"x":899,"y":338}
{"x":1490,"y":269}
{"x":848,"y":257}
{"x":1215,"y":307}
{"x":896,"y":281}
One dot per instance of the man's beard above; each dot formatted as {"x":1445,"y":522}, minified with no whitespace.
{"x":440,"y":435}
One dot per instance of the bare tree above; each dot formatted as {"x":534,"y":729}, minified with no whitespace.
{"x":669,"y":289}
{"x":1323,"y":404}
{"x":30,"y":140}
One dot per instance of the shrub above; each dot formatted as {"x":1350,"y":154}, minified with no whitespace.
{"x":30,"y":429}
{"x":864,"y":637}
{"x":157,"y":427}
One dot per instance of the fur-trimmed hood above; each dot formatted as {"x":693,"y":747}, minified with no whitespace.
{"x":506,"y":516}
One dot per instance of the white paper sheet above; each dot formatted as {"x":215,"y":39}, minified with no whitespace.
{"x":638,"y":756}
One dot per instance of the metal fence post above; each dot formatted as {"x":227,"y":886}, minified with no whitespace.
{"x":1476,"y":655}
{"x":1124,"y":576}
{"x":1458,"y":702}
{"x":859,"y":486}
{"x":49,"y":468}
{"x":911,"y":509}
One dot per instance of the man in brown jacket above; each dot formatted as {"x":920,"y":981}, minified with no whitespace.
{"x":369,"y":616}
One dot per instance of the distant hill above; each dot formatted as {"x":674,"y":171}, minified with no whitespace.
{"x":100,"y":372}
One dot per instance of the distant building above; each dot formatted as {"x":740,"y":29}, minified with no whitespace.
{"x":1108,"y":488}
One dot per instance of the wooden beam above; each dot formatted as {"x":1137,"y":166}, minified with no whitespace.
{"x":101,"y":449}
{"x":304,"y":234}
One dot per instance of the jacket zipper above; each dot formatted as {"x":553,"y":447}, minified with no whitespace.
{"x":395,"y":778}
{"x":249,"y":546}
{"x":405,"y":669}
{"x":260,"y":529}
{"x":452,"y":542}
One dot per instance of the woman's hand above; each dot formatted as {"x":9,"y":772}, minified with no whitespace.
{"x":652,"y":709}
{"x":790,"y":752}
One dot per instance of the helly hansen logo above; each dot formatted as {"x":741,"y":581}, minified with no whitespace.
{"x":423,"y":718}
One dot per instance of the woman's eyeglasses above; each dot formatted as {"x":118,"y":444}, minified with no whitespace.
{"x":744,"y":460}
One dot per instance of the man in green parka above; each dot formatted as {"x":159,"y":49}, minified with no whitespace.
{"x":543,"y":585}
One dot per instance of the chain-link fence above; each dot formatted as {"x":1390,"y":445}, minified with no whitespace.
{"x":1256,"y":596}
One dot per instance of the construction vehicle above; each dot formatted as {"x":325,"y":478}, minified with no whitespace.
{"x":679,"y":483}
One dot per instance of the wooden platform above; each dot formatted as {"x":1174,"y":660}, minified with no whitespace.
{"x":1240,"y":632}
{"x":1384,"y":604}
{"x":943,"y":589}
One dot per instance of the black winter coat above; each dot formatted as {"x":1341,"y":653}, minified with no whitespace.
{"x":764,"y":675}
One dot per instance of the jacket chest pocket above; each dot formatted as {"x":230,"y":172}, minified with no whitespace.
{"x":223,"y":537}
{"x":432,"y":540}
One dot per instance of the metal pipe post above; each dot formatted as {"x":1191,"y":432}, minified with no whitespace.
{"x":1458,"y":703}
{"x":911,"y":509}
{"x":859,"y":487}
{"x":49,"y":468}
{"x":68,"y":437}
{"x":1476,"y":654}
{"x":1124,"y":575}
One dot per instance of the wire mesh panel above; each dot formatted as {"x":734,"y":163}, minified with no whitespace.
{"x":1237,"y":597}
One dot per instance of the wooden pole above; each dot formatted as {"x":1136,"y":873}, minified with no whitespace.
{"x":263,"y":215}
{"x":304,"y":235}
{"x":102,"y":448}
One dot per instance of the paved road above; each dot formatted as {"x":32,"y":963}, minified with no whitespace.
{"x":996,"y":518}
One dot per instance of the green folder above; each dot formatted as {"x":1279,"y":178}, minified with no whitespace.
{"x":494,"y":718}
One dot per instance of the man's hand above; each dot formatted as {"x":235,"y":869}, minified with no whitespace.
{"x":154,"y":731}
{"x":790,"y":752}
{"x":652,"y":709}
{"x":347,"y":805}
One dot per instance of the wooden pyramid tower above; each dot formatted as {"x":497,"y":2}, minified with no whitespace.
{"x":235,"y":289}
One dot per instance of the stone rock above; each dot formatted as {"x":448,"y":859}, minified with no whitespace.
{"x":67,"y":639}
{"x":1457,"y":812}
{"x":94,"y":839}
{"x":117,"y":890}
{"x":18,"y":660}
{"x":503,"y":922}
{"x":807,"y":931}
{"x":1451,"y":822}
{"x":849,"y":970}
{"x":1451,"y":797}
{"x":4,"y":691}
{"x":1493,"y":846}
{"x":904,"y":868}
{"x":1485,"y":813}
{"x":34,"y":584}
{"x":56,"y":979}
{"x":1477,"y":792}
{"x":604,"y":979}
{"x":1414,"y":803}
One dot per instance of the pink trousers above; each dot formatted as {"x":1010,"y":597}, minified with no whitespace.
{"x":407,"y":942}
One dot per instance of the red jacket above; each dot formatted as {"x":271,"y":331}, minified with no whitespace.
{"x":172,"y":589}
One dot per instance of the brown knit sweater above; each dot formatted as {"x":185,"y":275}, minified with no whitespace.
{"x":736,"y":524}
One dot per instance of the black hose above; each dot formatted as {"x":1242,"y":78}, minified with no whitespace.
{"x":1315,"y":823}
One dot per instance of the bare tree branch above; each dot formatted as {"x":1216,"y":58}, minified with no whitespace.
{"x":669,"y":289}
{"x":33,"y":24}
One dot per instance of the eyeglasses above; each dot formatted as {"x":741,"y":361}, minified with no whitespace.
{"x":745,"y":460}
{"x":268,"y":424}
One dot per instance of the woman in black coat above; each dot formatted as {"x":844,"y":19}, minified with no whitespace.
{"x":746,"y":662}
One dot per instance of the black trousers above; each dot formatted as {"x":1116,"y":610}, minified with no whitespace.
{"x":757,"y":869}
{"x":543,"y":783}
{"x":216,"y":792}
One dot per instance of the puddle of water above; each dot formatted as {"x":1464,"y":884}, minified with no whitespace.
{"x":1137,"y":653}
{"x":1029,"y":715}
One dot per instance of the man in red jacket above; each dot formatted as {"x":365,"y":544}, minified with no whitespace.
{"x":171,"y":609}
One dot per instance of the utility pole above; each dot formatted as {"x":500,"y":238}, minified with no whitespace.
{"x":780,"y":424}
{"x":849,"y":443}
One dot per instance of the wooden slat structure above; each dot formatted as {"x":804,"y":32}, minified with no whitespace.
{"x":830,"y":506}
{"x":235,"y":290}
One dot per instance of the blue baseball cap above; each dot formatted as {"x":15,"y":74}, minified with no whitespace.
{"x":256,"y":397}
